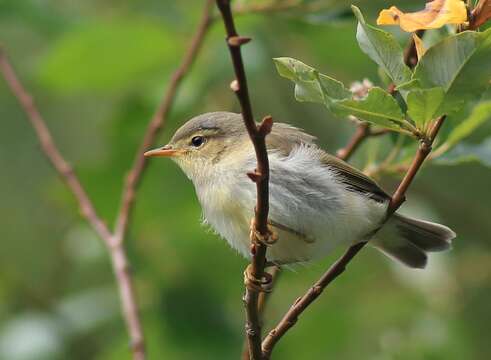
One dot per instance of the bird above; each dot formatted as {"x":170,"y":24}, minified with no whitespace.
{"x":316,"y":203}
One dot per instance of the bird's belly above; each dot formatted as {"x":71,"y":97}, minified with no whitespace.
{"x":311,"y":224}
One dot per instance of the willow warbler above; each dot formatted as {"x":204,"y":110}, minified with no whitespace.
{"x":316,"y":200}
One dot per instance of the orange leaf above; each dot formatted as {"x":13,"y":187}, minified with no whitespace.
{"x":435,"y":14}
{"x":418,"y":44}
{"x":481,"y":13}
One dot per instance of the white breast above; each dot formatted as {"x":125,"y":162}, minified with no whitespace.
{"x":305,"y":196}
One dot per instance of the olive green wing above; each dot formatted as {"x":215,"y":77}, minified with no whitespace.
{"x":354,"y":178}
{"x":285,"y":138}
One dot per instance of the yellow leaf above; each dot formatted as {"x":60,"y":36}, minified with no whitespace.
{"x":418,"y":44}
{"x":435,"y":14}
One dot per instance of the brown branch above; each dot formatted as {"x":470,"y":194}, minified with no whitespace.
{"x":117,"y":253}
{"x":339,"y":266}
{"x":423,"y":151}
{"x":155,"y":126}
{"x":301,"y":304}
{"x":480,"y":14}
{"x":113,"y":241}
{"x":50,"y":150}
{"x":263,"y":299}
{"x":257,"y":134}
{"x":397,"y":199}
{"x":362,"y":132}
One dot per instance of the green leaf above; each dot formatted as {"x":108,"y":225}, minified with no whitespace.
{"x":463,"y":153}
{"x":461,"y":65}
{"x":379,"y":108}
{"x":309,"y":84}
{"x":382,"y":48}
{"x":423,"y":105}
{"x":412,"y":84}
{"x":480,"y":114}
{"x":107,"y":56}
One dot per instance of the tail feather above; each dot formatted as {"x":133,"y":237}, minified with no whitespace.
{"x":407,"y":240}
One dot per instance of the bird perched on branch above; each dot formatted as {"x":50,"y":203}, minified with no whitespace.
{"x":316,"y":200}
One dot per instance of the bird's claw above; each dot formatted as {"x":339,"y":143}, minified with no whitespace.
{"x":265,"y":284}
{"x":267,"y":239}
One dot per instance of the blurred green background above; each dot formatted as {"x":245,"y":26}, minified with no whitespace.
{"x":97,"y":70}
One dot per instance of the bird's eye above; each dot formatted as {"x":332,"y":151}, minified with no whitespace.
{"x":197,"y":141}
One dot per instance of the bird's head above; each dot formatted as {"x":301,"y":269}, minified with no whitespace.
{"x":204,"y":142}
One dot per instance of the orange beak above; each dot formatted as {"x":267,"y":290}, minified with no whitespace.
{"x":166,"y":151}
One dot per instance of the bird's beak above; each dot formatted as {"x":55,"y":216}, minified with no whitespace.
{"x":166,"y":151}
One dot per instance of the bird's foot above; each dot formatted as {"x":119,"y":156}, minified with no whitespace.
{"x":268,"y":239}
{"x":264,"y":284}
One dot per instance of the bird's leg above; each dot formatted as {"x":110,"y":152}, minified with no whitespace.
{"x":265,"y":284}
{"x":269,"y":239}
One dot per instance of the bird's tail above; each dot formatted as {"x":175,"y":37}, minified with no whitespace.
{"x":408,"y":240}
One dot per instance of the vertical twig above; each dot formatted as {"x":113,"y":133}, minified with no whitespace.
{"x":261,"y":305}
{"x":257,"y":133}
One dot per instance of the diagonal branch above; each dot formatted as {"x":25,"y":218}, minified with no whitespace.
{"x":257,"y":134}
{"x":397,"y":199}
{"x":112,"y":241}
{"x":301,"y":304}
{"x":155,"y":126}
{"x":51,"y":151}
{"x":118,"y":255}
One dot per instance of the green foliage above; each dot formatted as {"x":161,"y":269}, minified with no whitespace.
{"x":188,"y":281}
{"x":423,"y":105}
{"x":107,"y":55}
{"x":382,"y":48}
{"x":378,"y":107}
{"x":449,"y":75}
{"x":461,"y":65}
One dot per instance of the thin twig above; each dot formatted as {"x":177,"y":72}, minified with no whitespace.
{"x":302,"y":303}
{"x":339,"y":266}
{"x":118,"y":256}
{"x":423,"y":151}
{"x":362,"y":132}
{"x":112,"y":241}
{"x":155,"y":126}
{"x":51,"y":151}
{"x":257,"y":133}
{"x":274,"y":271}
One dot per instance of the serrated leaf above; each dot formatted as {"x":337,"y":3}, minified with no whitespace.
{"x":461,"y":65}
{"x":436,"y":14}
{"x":378,"y":107}
{"x":382,"y":48}
{"x":423,"y":105}
{"x":107,"y":56}
{"x":309,"y":84}
{"x":463,"y":153}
